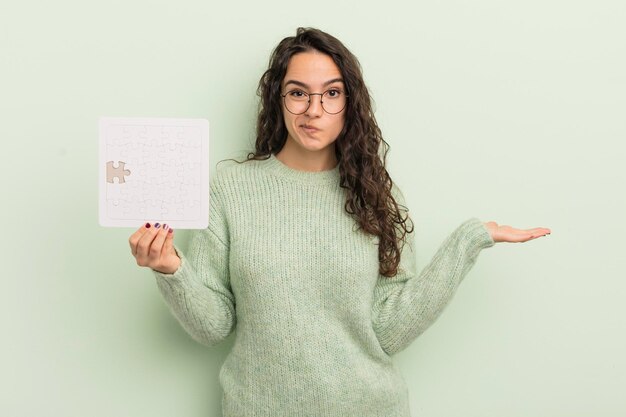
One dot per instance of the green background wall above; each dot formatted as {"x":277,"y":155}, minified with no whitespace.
{"x":507,"y":111}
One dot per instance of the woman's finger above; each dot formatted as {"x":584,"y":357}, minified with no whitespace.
{"x":156,"y":248}
{"x":525,"y":235}
{"x":537,"y":232}
{"x":135,"y":237}
{"x":143,"y":246}
{"x":169,"y":243}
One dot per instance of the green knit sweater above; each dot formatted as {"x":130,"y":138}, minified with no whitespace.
{"x":284,"y":266}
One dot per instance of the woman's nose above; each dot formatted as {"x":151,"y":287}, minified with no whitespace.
{"x":315,"y":105}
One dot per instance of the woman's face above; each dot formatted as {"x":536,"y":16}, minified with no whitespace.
{"x":315,"y":130}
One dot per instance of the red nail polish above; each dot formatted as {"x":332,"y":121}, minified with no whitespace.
{"x":147,"y":225}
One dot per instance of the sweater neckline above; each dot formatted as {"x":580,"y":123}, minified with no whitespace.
{"x":279,"y":169}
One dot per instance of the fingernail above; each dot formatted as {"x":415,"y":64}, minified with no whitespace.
{"x":165,"y":226}
{"x":170,"y":231}
{"x":157,"y":225}
{"x":147,"y":225}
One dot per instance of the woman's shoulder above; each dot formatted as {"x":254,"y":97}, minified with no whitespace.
{"x":233,"y":170}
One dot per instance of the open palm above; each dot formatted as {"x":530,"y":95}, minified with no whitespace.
{"x":504,"y":233}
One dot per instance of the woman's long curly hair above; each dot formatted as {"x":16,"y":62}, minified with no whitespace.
{"x":362,"y":170}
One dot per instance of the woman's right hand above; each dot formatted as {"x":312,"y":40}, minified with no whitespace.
{"x":152,"y":246}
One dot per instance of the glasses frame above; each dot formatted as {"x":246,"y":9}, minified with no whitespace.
{"x":309,"y":100}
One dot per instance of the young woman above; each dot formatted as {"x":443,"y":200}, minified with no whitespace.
{"x":309,"y":252}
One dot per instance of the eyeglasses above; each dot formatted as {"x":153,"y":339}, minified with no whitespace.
{"x":297,"y":101}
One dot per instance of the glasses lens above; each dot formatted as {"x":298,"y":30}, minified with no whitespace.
{"x":297,"y":101}
{"x":333,"y":101}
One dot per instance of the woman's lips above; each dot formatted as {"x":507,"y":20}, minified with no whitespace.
{"x":309,"y":129}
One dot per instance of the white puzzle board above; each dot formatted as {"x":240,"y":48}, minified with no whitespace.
{"x":154,"y":170}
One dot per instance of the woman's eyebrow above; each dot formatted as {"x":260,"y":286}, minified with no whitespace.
{"x":301,"y":84}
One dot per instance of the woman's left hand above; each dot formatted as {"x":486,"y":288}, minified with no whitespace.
{"x":503,"y":233}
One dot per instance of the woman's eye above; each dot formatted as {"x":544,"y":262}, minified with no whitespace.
{"x":297,"y":93}
{"x":334,"y":93}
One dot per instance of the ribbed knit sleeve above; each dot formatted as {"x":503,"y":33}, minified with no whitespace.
{"x":199,"y":294}
{"x":406,"y":305}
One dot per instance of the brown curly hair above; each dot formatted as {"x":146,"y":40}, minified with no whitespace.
{"x":362,"y":170}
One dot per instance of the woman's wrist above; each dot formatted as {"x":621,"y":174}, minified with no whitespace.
{"x":170,"y":269}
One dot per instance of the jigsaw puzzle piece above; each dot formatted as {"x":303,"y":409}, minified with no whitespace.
{"x":116,"y":172}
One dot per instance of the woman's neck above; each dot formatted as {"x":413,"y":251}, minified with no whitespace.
{"x":313,"y":161}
